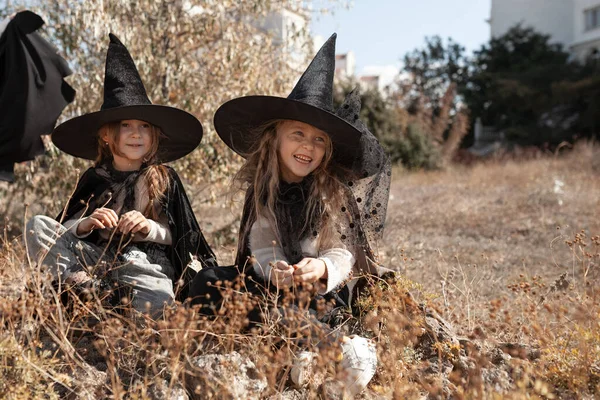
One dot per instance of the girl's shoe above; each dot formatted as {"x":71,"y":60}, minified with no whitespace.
{"x":359,"y":362}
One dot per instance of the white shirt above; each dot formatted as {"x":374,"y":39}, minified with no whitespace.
{"x":338,"y":260}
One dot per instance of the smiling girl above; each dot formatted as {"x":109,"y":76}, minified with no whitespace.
{"x":316,"y":195}
{"x":129,"y":222}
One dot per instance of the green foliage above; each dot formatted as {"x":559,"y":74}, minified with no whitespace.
{"x":414,"y":149}
{"x":582,"y":98}
{"x":511,"y":86}
{"x":520,"y":82}
{"x":407,"y":145}
{"x":431,"y":69}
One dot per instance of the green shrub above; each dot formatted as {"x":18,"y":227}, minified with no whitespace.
{"x":414,"y":149}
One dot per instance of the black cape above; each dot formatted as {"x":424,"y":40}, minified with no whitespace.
{"x":185,"y":231}
{"x":368,"y":269}
{"x":32,"y":91}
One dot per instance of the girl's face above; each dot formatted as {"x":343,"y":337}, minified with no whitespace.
{"x":133,"y":143}
{"x":301,"y":148}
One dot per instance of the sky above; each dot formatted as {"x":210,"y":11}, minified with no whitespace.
{"x":380,"y":32}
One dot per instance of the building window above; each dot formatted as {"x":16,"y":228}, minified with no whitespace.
{"x":592,"y":18}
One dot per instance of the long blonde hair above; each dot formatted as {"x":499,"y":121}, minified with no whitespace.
{"x":261,"y":174}
{"x":156,"y":175}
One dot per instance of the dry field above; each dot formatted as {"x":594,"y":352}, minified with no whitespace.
{"x":468,"y":233}
{"x":485,"y":246}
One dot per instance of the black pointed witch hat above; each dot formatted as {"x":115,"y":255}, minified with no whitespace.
{"x":311,"y":102}
{"x":125,"y":98}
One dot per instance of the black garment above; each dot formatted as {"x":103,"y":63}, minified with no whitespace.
{"x":208,"y":283}
{"x":206,"y":290}
{"x":291,"y":216}
{"x":32,"y":91}
{"x":187,"y":238}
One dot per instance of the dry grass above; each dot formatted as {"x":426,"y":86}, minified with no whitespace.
{"x":486,"y":246}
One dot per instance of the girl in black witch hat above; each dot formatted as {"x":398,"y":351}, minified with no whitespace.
{"x":129,"y":218}
{"x":317,"y":187}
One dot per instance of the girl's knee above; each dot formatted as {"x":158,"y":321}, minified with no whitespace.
{"x":42,"y":223}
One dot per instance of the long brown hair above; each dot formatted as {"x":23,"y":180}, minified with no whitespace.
{"x":261,"y":174}
{"x":156,"y":175}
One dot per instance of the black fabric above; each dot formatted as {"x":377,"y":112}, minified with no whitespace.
{"x":207,"y":289}
{"x":291,"y":217}
{"x":123,"y":85}
{"x":311,"y":101}
{"x":290,"y":214}
{"x":315,"y":86}
{"x":32,"y":91}
{"x":123,"y":184}
{"x":125,"y":98}
{"x":366,"y":199}
{"x":187,"y":238}
{"x":367,"y":192}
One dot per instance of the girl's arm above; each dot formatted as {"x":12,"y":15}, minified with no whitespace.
{"x":101,"y":218}
{"x":338,"y":264}
{"x":146,"y":229}
{"x":337,"y":256}
{"x":159,"y":233}
{"x":332,"y":267}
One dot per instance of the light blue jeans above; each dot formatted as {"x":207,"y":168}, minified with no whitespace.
{"x":148,"y":273}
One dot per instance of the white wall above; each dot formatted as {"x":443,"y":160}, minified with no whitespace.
{"x":584,"y":40}
{"x":345,"y":66}
{"x":285,"y":26}
{"x":551,"y":17}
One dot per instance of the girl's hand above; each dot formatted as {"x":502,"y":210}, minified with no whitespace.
{"x":101,"y":218}
{"x":309,"y":270}
{"x":133,"y":222}
{"x":281,"y":274}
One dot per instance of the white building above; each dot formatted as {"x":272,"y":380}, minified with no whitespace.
{"x":344,"y":65}
{"x":574,"y":23}
{"x":551,"y":17}
{"x":286,"y":26}
{"x":369,"y":82}
{"x":586,"y":40}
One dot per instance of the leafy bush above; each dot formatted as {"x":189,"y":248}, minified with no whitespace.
{"x":414,"y":149}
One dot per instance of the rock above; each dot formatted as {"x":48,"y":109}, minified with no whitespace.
{"x":522,"y":351}
{"x":496,"y":378}
{"x":160,"y":391}
{"x":304,"y":372}
{"x":333,"y":389}
{"x":87,"y":383}
{"x":439,"y":328}
{"x":291,"y":394}
{"x":498,"y":357}
{"x":226,"y":376}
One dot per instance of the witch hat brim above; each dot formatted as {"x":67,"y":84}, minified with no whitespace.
{"x":311,"y":102}
{"x":235,"y":119}
{"x":125,"y":98}
{"x":182,"y":131}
